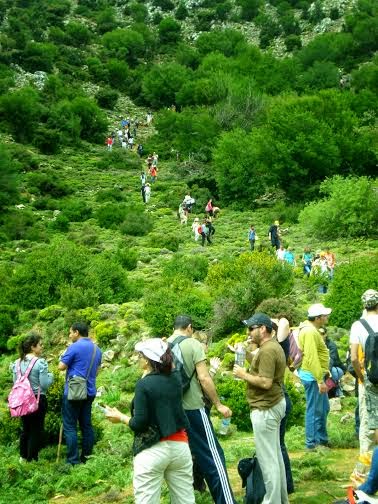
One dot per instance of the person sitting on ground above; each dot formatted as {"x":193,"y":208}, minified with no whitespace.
{"x":31,"y":436}
{"x":161,"y":449}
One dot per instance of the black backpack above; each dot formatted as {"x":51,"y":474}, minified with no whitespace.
{"x":179,"y":362}
{"x":371,"y":353}
{"x":252,"y":479}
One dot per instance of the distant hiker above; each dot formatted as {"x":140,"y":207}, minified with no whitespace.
{"x":143,"y":192}
{"x":123,"y":123}
{"x":160,"y":448}
{"x":143,"y":178}
{"x":81,"y":359}
{"x":109,"y":143}
{"x":204,"y":231}
{"x":147,"y":192}
{"x":188,"y":203}
{"x":209,"y":224}
{"x":149,"y":161}
{"x":211,"y":210}
{"x":40,"y":379}
{"x":331,"y":261}
{"x":149,"y":118}
{"x":280,"y":253}
{"x":289,"y":256}
{"x":307,"y":259}
{"x":274,"y":234}
{"x":252,"y":237}
{"x":182,"y":214}
{"x":120,"y":135}
{"x":135,"y":127}
{"x":140,"y":150}
{"x":153,"y":173}
{"x":195,"y":226}
{"x":124,"y":143}
{"x":131,"y":143}
{"x":155,"y":159}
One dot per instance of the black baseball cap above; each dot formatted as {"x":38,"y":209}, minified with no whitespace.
{"x":259,"y":319}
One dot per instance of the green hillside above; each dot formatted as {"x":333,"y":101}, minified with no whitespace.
{"x":268,"y":108}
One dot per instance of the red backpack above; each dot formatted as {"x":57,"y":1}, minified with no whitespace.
{"x":21,"y":400}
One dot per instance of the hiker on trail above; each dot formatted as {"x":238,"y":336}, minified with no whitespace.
{"x":31,"y":436}
{"x":124,"y":143}
{"x":289,"y":256}
{"x":160,"y":426}
{"x":210,"y":209}
{"x":131,"y":143}
{"x":205,"y":233}
{"x":313,"y":372}
{"x":143,"y":178}
{"x":135,"y":127}
{"x":336,"y":367}
{"x":155,"y":159}
{"x":280,"y":253}
{"x":188,"y":203}
{"x":149,"y":161}
{"x":140,"y":150}
{"x":203,"y":443}
{"x":319,"y":269}
{"x":109,"y":143}
{"x":149,"y":118}
{"x":367,"y":391}
{"x":143,"y":192}
{"x":123,"y":123}
{"x":274,"y":235}
{"x":153,"y":173}
{"x":331,"y":261}
{"x":210,"y":227}
{"x":120,"y":136}
{"x":307,"y":259}
{"x":147,"y":192}
{"x":267,"y":402}
{"x":81,"y":359}
{"x":252,"y":237}
{"x":182,"y":214}
{"x":195,"y":226}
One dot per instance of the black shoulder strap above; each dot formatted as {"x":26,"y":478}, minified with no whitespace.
{"x":92,"y":359}
{"x":367,"y":327}
{"x":178,"y":340}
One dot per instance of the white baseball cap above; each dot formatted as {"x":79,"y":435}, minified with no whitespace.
{"x":317,"y":310}
{"x":153,"y":348}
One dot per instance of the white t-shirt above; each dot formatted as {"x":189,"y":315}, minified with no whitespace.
{"x":358,"y":333}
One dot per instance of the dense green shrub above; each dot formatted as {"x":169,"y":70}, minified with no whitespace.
{"x":181,"y":12}
{"x":127,"y":257}
{"x":19,"y":224}
{"x":350,"y":206}
{"x":282,"y":307}
{"x":107,"y":98}
{"x":75,"y":210}
{"x":350,"y":282}
{"x":8,"y":178}
{"x":47,"y":140}
{"x":192,"y":267}
{"x":8,"y":322}
{"x":293,"y":42}
{"x":169,"y":31}
{"x":137,"y":222}
{"x":105,"y":331}
{"x":240,"y":285}
{"x":78,"y":34}
{"x":115,"y":194}
{"x":47,"y":183}
{"x":233,"y":393}
{"x":39,"y":57}
{"x":162,"y":82}
{"x":168,"y":241}
{"x":110,"y":215}
{"x":119,"y":160}
{"x":249,"y":9}
{"x":180,"y":296}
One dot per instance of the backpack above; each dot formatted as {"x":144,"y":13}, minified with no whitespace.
{"x":250,"y":472}
{"x":178,"y":362}
{"x":295,"y":353}
{"x":21,"y":400}
{"x":199,"y":229}
{"x":371,"y":353}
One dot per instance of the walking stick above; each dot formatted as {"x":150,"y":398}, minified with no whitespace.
{"x":60,"y":442}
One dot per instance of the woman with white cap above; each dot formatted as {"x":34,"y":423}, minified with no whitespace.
{"x":160,"y":448}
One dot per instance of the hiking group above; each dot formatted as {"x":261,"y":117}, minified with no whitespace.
{"x":174,"y":438}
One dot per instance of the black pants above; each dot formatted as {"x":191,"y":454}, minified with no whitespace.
{"x":285,"y":455}
{"x":31,"y":438}
{"x":204,"y":238}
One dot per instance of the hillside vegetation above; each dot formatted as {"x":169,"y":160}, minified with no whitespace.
{"x":268,"y":108}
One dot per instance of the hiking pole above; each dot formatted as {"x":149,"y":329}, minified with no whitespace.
{"x":60,"y":442}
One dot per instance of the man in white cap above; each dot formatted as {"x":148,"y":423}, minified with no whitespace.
{"x":313,"y":372}
{"x":367,"y":391}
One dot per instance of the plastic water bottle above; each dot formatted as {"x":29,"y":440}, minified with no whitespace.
{"x":240,"y":355}
{"x":225,"y":426}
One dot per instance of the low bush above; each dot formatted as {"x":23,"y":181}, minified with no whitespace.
{"x":282,"y":307}
{"x":8,"y":322}
{"x":110,"y":215}
{"x":349,"y":209}
{"x":75,"y":210}
{"x":119,"y":160}
{"x":105,"y":331}
{"x":48,"y":183}
{"x":168,"y":241}
{"x":233,"y":393}
{"x":191,"y":267}
{"x":107,"y":98}
{"x":127,"y":257}
{"x":136,"y":223}
{"x":349,"y":283}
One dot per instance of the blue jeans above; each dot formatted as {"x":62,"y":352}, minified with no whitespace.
{"x":74,"y":412}
{"x":317,"y":408}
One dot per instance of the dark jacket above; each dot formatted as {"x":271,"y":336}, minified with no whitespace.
{"x":158,"y":402}
{"x":334,"y":358}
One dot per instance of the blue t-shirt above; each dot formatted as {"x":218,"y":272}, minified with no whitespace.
{"x":252,"y":235}
{"x":289,"y":257}
{"x":77,"y":358}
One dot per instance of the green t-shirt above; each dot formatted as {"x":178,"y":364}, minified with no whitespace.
{"x":269,"y":362}
{"x":192,"y":353}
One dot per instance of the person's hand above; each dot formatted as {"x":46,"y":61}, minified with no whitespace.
{"x":113,"y":414}
{"x":215,"y":363}
{"x":323,"y":388}
{"x":224,"y":411}
{"x":239,"y":372}
{"x":231,"y":348}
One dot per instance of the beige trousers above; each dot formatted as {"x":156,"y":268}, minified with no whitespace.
{"x":169,"y":460}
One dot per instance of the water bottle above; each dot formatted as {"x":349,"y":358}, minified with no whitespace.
{"x":225,"y":426}
{"x":240,"y":355}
